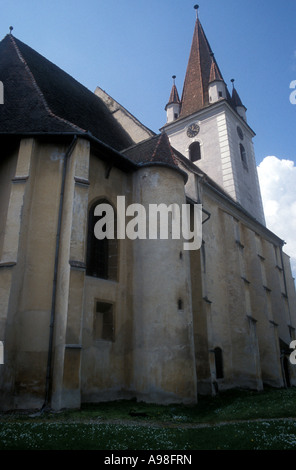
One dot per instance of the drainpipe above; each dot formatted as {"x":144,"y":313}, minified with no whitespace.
{"x":48,"y":382}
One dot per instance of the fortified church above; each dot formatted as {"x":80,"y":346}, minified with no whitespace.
{"x":84,"y":319}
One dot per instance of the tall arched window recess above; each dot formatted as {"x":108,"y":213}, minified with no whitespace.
{"x":194,"y":152}
{"x":101,"y":255}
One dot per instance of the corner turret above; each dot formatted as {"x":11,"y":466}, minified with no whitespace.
{"x":173,"y":106}
{"x":217,"y":87}
{"x":237,"y":103}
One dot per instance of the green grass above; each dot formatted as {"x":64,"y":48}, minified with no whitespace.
{"x":77,"y":436}
{"x":233,"y":420}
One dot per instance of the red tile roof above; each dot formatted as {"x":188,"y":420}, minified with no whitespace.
{"x":235,"y":98}
{"x":174,"y":96}
{"x":202,"y":68}
{"x":215,"y":73}
{"x":156,"y":149}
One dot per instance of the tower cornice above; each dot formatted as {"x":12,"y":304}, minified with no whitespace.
{"x":202,"y":113}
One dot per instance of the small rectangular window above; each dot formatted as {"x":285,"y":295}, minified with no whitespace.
{"x":104,"y":321}
{"x":219,"y":363}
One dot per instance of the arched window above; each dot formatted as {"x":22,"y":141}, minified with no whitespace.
{"x":194,"y":151}
{"x":243,"y":155}
{"x":101,"y":255}
{"x":219,"y":363}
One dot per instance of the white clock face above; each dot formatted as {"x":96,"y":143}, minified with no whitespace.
{"x":193,"y":130}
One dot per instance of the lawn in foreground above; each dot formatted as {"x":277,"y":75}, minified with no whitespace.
{"x":263,"y":435}
{"x":237,"y":419}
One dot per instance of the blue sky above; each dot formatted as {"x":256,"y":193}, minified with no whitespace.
{"x":131,"y":48}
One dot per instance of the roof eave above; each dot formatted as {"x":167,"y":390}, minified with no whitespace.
{"x":117,"y":158}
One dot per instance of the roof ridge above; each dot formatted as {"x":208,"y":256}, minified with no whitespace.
{"x":142,"y":142}
{"x":203,"y":84}
{"x":163,"y":138}
{"x":171,"y":149}
{"x":40,"y":94}
{"x":157,"y":146}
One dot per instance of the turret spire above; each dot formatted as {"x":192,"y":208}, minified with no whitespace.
{"x":174,"y":96}
{"x":215,"y":74}
{"x":217,"y":87}
{"x":173,"y":106}
{"x":237,"y":103}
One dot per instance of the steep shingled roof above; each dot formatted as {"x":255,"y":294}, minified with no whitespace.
{"x":215,"y":73}
{"x":174,"y":96}
{"x":39,"y":97}
{"x":235,"y":98}
{"x":157,"y":149}
{"x":201,"y":69}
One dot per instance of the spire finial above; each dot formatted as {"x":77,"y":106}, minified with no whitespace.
{"x":196,"y":7}
{"x":174,"y":77}
{"x":232,"y":81}
{"x":10,"y":29}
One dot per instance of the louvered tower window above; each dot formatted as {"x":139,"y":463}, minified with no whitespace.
{"x":194,"y":152}
{"x":243,"y":155}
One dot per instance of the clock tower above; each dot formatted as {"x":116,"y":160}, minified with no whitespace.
{"x":208,"y":125}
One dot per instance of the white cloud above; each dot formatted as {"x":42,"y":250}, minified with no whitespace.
{"x":278,"y":188}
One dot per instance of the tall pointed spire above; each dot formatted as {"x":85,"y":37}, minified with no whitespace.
{"x":201,"y":67}
{"x":208,"y":119}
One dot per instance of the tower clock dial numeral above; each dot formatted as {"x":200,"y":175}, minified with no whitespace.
{"x":193,"y":130}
